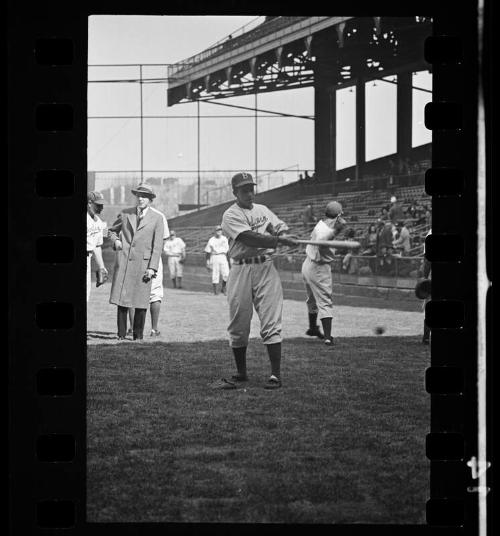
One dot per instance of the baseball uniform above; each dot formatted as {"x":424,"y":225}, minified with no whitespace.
{"x":95,"y":228}
{"x":218,"y":248}
{"x":317,"y":273}
{"x":157,"y":283}
{"x":174,"y":248}
{"x":253,"y":280}
{"x":427,"y":274}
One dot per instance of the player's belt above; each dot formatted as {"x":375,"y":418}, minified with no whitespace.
{"x":253,"y":260}
{"x":89,"y":253}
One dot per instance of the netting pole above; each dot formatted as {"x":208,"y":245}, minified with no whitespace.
{"x":142,"y":148}
{"x":255,"y":120}
{"x":198,"y":142}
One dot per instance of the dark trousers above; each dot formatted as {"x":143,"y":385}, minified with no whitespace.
{"x":139,"y":321}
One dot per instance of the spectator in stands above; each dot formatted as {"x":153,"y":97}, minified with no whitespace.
{"x":428,"y":217}
{"x":420,"y":213}
{"x":350,"y":262}
{"x":396,"y":211}
{"x":412,"y":209}
{"x":384,"y":238}
{"x":349,"y":233}
{"x":370,"y":240}
{"x":384,"y":214}
{"x":308,"y":217}
{"x":402,"y":244}
{"x":307,"y":177}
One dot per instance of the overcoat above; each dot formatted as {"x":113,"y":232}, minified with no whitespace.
{"x":142,"y":247}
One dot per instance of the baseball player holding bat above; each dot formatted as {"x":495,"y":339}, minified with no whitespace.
{"x":317,"y":273}
{"x":254,"y":233}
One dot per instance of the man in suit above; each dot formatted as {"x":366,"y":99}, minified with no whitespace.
{"x":137,"y":237}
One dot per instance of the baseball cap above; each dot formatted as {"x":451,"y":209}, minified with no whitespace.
{"x":95,"y":197}
{"x":240,"y":179}
{"x":144,"y":189}
{"x":333,"y":208}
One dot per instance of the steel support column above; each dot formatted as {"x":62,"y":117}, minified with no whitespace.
{"x":360,"y":127}
{"x":404,"y":114}
{"x":325,"y":50}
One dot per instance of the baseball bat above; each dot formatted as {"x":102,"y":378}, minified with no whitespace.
{"x":332,"y":243}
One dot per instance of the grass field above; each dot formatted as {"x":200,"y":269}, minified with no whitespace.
{"x":341,"y":442}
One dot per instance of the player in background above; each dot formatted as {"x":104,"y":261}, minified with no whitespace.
{"x":175,"y":250}
{"x":216,"y":252}
{"x":426,"y":272}
{"x":156,"y":288}
{"x":95,"y":227}
{"x":317,"y":273}
{"x":254,"y":233}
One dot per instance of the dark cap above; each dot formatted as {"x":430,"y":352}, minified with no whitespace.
{"x":96,"y":197}
{"x":144,"y":189}
{"x":240,"y":179}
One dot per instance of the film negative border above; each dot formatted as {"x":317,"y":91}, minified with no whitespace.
{"x":47,"y":349}
{"x":452,"y":251}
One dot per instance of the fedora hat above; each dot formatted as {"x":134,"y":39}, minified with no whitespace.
{"x":145,"y":190}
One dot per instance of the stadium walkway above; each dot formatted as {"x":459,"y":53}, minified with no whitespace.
{"x":188,"y":316}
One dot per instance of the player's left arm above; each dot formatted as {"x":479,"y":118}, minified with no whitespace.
{"x":99,"y":260}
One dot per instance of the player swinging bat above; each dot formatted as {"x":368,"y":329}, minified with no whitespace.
{"x":317,"y":272}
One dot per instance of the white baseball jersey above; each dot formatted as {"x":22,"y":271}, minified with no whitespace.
{"x":174,"y":247}
{"x":157,"y":283}
{"x":323,"y":255}
{"x":94,"y":232}
{"x":166,"y":232}
{"x":258,"y":219}
{"x":217,"y":245}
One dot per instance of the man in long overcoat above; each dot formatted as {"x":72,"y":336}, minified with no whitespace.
{"x":137,"y":237}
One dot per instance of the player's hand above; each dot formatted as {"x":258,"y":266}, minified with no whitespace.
{"x":101,"y":277}
{"x":148,"y":275}
{"x":118,"y":245}
{"x":208,"y":266}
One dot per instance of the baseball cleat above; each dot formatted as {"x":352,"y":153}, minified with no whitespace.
{"x":239,"y":377}
{"x":273,"y":383}
{"x":315,"y":333}
{"x":329,"y":341}
{"x":155,"y":333}
{"x":223,"y":384}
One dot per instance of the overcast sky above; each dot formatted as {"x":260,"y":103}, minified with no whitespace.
{"x":171,"y":144}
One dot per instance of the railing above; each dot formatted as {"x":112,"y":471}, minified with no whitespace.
{"x":391,"y":266}
{"x":216,"y":47}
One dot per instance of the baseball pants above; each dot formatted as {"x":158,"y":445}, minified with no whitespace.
{"x":318,"y":282}
{"x":157,"y":284}
{"x":259,"y":286}
{"x":89,"y":278}
{"x":174,"y":267}
{"x":220,"y":267}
